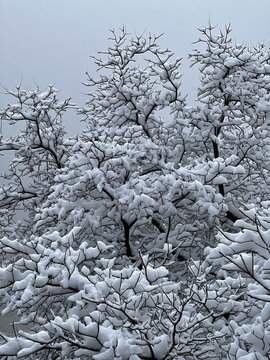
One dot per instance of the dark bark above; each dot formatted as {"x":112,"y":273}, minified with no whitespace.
{"x":127,"y":227}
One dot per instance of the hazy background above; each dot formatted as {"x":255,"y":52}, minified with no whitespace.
{"x":50,"y":41}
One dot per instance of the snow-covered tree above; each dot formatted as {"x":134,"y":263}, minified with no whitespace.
{"x":240,"y":264}
{"x":120,"y":256}
{"x":233,"y":115}
{"x":39,"y":152}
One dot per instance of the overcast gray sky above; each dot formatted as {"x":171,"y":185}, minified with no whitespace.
{"x":49,"y":41}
